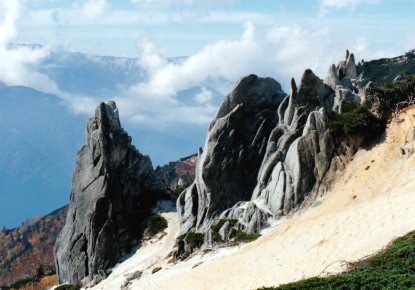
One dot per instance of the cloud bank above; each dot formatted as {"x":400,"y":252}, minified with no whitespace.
{"x":17,"y":60}
{"x":282,"y":52}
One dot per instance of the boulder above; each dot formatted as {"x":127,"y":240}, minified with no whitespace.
{"x":113,"y":190}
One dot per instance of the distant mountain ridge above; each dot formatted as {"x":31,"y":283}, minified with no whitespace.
{"x":39,"y":139}
{"x":40,"y":134}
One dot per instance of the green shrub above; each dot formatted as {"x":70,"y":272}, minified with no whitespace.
{"x":194,"y":239}
{"x":179,"y":190}
{"x":216,"y":227}
{"x":68,"y":287}
{"x":241,"y":236}
{"x":393,"y":268}
{"x":355,"y":120}
{"x":155,"y":224}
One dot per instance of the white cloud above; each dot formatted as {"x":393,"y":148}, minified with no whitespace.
{"x":162,"y":2}
{"x":93,"y":9}
{"x":169,"y":3}
{"x":10,"y":12}
{"x":344,"y":4}
{"x":204,"y":97}
{"x":17,"y":60}
{"x":224,"y":58}
{"x":282,"y":52}
{"x":97,"y":13}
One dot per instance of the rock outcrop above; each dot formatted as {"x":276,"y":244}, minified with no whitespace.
{"x":265,"y":157}
{"x":236,"y":143}
{"x":298,"y":155}
{"x":113,"y":190}
{"x":342,"y":79}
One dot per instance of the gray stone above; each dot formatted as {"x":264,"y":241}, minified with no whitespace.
{"x":134,"y":276}
{"x":113,"y":191}
{"x":236,"y":142}
{"x":299,"y":152}
{"x":290,"y":150}
{"x":341,"y":79}
{"x":343,"y":95}
{"x":291,"y":167}
{"x":130,"y":277}
{"x":350,"y":66}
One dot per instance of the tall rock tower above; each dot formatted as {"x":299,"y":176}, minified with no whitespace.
{"x":113,"y":190}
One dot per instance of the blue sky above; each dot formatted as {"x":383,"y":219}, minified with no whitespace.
{"x":223,"y":40}
{"x":182,"y":27}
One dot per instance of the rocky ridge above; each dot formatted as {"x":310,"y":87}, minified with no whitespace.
{"x":113,"y":191}
{"x":267,"y":154}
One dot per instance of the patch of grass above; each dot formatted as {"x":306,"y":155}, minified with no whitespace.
{"x":393,"y":268}
{"x":216,"y":227}
{"x":355,"y":120}
{"x":241,"y":236}
{"x":68,"y":287}
{"x":155,"y":224}
{"x":195,"y":240}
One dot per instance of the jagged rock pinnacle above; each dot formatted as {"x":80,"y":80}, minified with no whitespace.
{"x":113,"y":191}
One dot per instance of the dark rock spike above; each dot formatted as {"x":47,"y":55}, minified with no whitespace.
{"x":293,"y":87}
{"x":113,"y":190}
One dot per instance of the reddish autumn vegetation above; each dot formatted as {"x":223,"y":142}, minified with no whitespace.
{"x":27,"y":251}
{"x":179,"y":174}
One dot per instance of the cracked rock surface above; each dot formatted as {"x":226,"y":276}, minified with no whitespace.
{"x":113,"y":190}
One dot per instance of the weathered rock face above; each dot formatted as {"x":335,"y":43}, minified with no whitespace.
{"x":341,"y":79}
{"x":253,"y":169}
{"x":113,"y":191}
{"x":236,"y":143}
{"x":298,"y":155}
